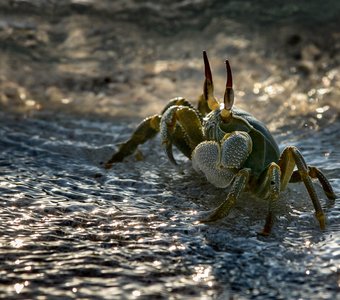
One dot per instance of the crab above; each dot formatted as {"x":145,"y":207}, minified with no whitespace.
{"x":230,"y":147}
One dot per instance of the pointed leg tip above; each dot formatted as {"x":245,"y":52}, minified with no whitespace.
{"x":205,"y":221}
{"x":108,"y":166}
{"x":207,"y":217}
{"x":322,"y":224}
{"x":322,"y":221}
{"x":267,"y":229}
{"x":213,"y":216}
{"x":331,"y":195}
{"x":264,"y":233}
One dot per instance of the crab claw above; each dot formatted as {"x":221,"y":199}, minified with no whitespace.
{"x":208,"y":87}
{"x":229,"y":93}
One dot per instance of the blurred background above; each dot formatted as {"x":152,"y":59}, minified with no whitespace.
{"x":76,"y":77}
{"x":128,"y":58}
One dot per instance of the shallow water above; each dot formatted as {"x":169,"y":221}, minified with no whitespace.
{"x":74,"y":84}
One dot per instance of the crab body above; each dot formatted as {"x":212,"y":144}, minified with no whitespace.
{"x":230,"y":147}
{"x":265,"y":149}
{"x":242,"y":143}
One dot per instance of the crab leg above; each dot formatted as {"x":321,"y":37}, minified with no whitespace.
{"x":180,"y":121}
{"x":270,"y":189}
{"x":314,"y":172}
{"x":146,"y":130}
{"x":290,"y":157}
{"x":239,"y":183}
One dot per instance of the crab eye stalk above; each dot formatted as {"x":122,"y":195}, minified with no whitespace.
{"x":229,"y":93}
{"x":208,"y":87}
{"x":228,"y":99}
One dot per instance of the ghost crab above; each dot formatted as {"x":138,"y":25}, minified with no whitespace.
{"x":230,"y":147}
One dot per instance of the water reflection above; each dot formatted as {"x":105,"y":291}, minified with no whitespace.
{"x":19,"y":287}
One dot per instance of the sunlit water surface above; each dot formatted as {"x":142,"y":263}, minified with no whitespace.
{"x":71,"y":230}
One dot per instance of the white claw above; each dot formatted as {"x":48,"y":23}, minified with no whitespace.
{"x":235,"y":149}
{"x":221,"y":161}
{"x":207,"y":159}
